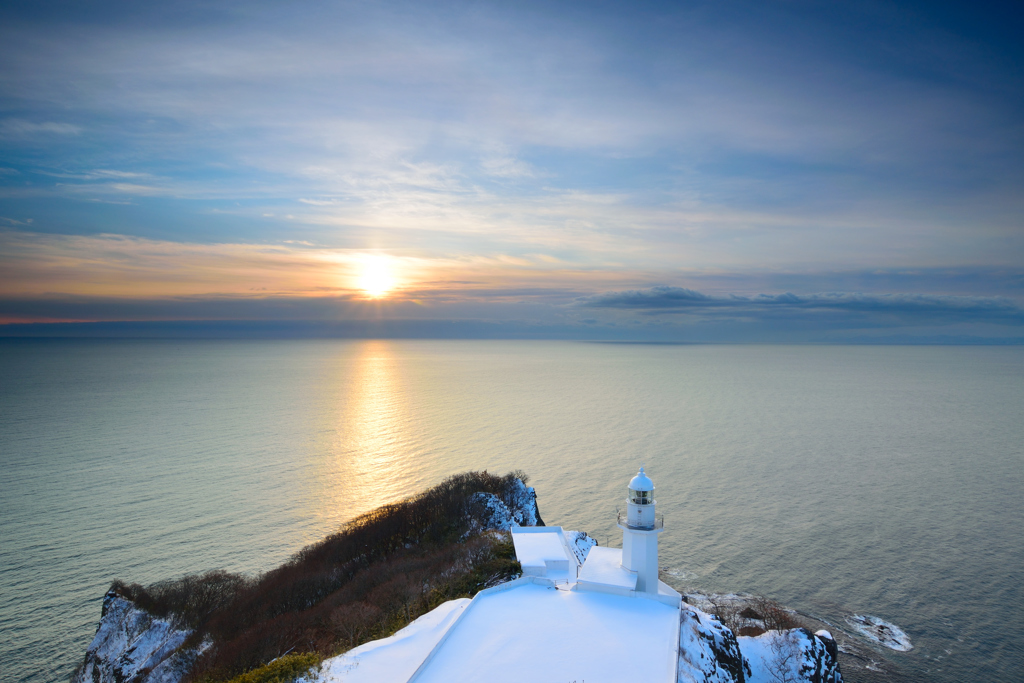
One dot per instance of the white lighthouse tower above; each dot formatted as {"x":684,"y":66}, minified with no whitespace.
{"x":640,"y":528}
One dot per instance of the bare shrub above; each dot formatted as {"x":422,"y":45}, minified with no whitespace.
{"x":353,"y":621}
{"x":725,"y":610}
{"x":378,"y":573}
{"x":190,"y":600}
{"x":775,"y":616}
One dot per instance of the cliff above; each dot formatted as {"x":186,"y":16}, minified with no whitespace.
{"x":386,"y":587}
{"x":133,"y":645}
{"x":710,"y":653}
{"x":387,"y":566}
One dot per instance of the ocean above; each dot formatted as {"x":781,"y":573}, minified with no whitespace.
{"x":839,"y":480}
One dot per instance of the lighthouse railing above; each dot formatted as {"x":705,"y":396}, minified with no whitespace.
{"x":659,"y":522}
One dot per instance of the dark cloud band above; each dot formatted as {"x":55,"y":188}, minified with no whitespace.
{"x":682,"y":300}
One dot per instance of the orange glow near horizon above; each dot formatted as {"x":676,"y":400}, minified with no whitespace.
{"x":115,"y":270}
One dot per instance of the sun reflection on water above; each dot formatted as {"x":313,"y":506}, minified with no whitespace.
{"x":367,"y":457}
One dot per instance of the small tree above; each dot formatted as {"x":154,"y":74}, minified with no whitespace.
{"x":783,"y":653}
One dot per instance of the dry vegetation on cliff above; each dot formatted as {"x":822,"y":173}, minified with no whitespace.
{"x":375,"y":575}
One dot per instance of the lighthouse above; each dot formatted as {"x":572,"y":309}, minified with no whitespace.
{"x":640,"y":528}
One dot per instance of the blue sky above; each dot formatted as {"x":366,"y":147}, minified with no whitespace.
{"x":670,"y":171}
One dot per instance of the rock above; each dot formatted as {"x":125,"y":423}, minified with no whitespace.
{"x":133,"y":646}
{"x":490,"y":512}
{"x":522,"y":501}
{"x":580,"y":543}
{"x":829,"y":642}
{"x":517,"y":506}
{"x":881,"y":631}
{"x":708,"y":650}
{"x":821,"y":658}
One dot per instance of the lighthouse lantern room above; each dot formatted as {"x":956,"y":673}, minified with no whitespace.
{"x":640,"y":504}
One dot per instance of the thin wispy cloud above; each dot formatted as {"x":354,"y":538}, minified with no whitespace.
{"x":18,"y":128}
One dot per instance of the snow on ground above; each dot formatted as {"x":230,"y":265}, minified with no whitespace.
{"x":523,"y":502}
{"x":881,"y":632}
{"x":495,"y":514}
{"x":770,"y":658}
{"x":794,"y":655}
{"x":538,"y":633}
{"x":394,"y":658}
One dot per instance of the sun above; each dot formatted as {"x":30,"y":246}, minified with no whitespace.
{"x":376,"y":278}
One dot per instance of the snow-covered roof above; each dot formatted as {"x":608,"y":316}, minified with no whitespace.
{"x":544,"y":551}
{"x":604,"y":567}
{"x":532,"y":632}
{"x":641,"y":482}
{"x":548,"y":625}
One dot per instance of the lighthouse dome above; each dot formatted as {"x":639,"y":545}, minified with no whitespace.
{"x":641,"y":482}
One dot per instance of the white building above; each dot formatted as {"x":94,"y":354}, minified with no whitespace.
{"x":633,"y":570}
{"x":608,"y":618}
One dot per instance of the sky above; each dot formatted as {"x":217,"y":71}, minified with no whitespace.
{"x":686,"y":171}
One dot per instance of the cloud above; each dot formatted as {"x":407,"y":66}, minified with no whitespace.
{"x":95,"y":174}
{"x":127,"y":268}
{"x":662,"y":300}
{"x":530,"y":150}
{"x":46,"y":277}
{"x":16,"y":128}
{"x":527,"y":129}
{"x":508,"y":167}
{"x":14,"y":221}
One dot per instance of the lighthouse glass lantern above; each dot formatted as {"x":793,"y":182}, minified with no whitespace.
{"x":640,"y":503}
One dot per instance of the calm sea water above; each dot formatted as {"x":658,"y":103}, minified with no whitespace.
{"x":881,"y":480}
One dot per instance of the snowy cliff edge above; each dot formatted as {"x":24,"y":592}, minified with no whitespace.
{"x":133,"y":646}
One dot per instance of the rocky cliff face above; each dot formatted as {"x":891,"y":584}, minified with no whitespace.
{"x":133,"y":646}
{"x":516,"y":507}
{"x":709,"y":652}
